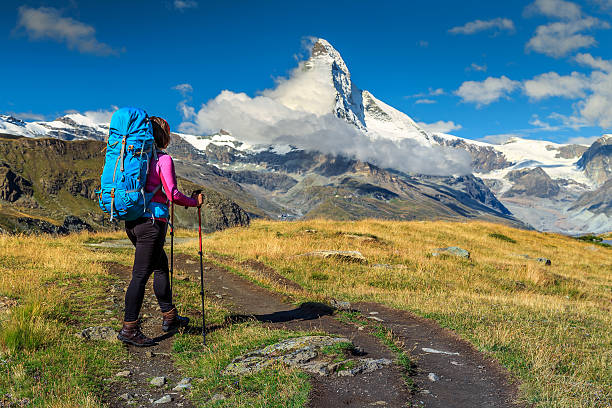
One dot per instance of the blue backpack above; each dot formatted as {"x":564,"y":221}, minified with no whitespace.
{"x":129,"y":150}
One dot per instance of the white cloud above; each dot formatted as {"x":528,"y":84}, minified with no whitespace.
{"x":423,"y":44}
{"x":299,"y":111}
{"x":27,"y":115}
{"x":555,"y":8}
{"x":487,"y":91}
{"x":594,"y":62}
{"x":430,"y":92}
{"x":582,"y":140}
{"x":561,"y":38}
{"x":594,"y":91}
{"x":184,"y":4}
{"x":101,"y":115}
{"x":183,"y":89}
{"x":473,"y":27}
{"x":499,"y":139}
{"x":552,"y":84}
{"x":424,"y":101}
{"x":440,"y":126}
{"x":476,"y":67}
{"x":47,"y":22}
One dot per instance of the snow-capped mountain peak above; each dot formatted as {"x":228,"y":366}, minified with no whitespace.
{"x":360,"y":107}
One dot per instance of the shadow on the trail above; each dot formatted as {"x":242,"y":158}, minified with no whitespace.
{"x":306,"y":311}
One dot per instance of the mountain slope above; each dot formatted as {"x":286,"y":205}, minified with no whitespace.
{"x":49,"y":185}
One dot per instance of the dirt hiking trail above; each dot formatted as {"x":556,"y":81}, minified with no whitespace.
{"x":449,"y":372}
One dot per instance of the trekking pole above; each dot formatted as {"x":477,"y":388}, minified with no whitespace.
{"x":202,"y":276}
{"x":171,"y":243}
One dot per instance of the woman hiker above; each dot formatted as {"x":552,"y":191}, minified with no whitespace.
{"x":148,"y":235}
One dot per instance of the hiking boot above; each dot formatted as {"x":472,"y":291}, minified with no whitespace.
{"x":172,"y":321}
{"x":131,"y":334}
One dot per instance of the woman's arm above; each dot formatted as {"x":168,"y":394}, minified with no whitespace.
{"x":168,"y":178}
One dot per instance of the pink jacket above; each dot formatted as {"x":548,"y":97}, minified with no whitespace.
{"x":162,"y":170}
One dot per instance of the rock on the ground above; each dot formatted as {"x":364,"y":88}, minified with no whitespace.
{"x":365,"y":365}
{"x":543,"y":260}
{"x":125,"y":373}
{"x":350,"y":256}
{"x":164,"y":400}
{"x":433,"y":377}
{"x":217,"y":397}
{"x":455,"y":251}
{"x":99,"y":333}
{"x":158,"y":381}
{"x":301,"y":352}
{"x":184,"y":384}
{"x":127,"y":396}
{"x":341,"y":305}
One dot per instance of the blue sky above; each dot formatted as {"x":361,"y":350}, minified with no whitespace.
{"x":479,"y":69}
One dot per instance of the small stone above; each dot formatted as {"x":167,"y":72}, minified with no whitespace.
{"x":481,"y":367}
{"x":382,"y":266}
{"x":217,"y":397}
{"x":349,"y":256}
{"x":425,"y":392}
{"x":456,"y":363}
{"x":456,"y":251}
{"x":360,"y":328}
{"x":223,"y":287}
{"x":184,"y":384}
{"x":433,"y":377}
{"x":379,"y":403}
{"x":378,"y":319}
{"x":341,"y":305}
{"x":127,"y":396}
{"x":125,"y":373}
{"x":158,"y":381}
{"x":149,"y":354}
{"x":373,"y":313}
{"x":164,"y":400}
{"x":99,"y":333}
{"x":219,"y":296}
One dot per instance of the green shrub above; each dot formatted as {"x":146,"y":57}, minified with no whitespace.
{"x":319,"y":276}
{"x":502,"y":237}
{"x":26,"y":329}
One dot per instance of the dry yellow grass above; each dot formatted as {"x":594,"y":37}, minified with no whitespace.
{"x":550,"y":325}
{"x":58,"y":288}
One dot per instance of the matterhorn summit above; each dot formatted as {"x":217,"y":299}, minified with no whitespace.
{"x":359,"y":107}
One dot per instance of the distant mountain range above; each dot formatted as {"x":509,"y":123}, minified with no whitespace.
{"x":549,"y":186}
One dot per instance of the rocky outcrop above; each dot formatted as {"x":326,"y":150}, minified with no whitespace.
{"x":13,"y":186}
{"x":322,"y":355}
{"x":532,"y":182}
{"x":484,"y":158}
{"x":597,"y":160}
{"x":568,"y":151}
{"x":348,"y":256}
{"x":598,"y":201}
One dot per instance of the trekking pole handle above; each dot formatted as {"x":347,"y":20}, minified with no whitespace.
{"x":194,"y":194}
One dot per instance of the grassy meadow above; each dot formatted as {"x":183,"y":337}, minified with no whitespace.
{"x":551,"y":326}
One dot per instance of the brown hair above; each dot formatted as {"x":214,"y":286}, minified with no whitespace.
{"x":161,"y":131}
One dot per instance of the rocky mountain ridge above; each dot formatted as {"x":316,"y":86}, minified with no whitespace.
{"x":544,"y":184}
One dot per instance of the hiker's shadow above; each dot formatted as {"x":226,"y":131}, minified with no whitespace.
{"x":306,"y":311}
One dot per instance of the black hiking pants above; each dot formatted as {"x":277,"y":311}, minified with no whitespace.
{"x":148,"y":237}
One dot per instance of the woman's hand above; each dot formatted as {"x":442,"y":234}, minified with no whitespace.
{"x":197,"y":194}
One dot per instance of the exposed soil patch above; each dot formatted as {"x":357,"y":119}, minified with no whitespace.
{"x":466,"y":377}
